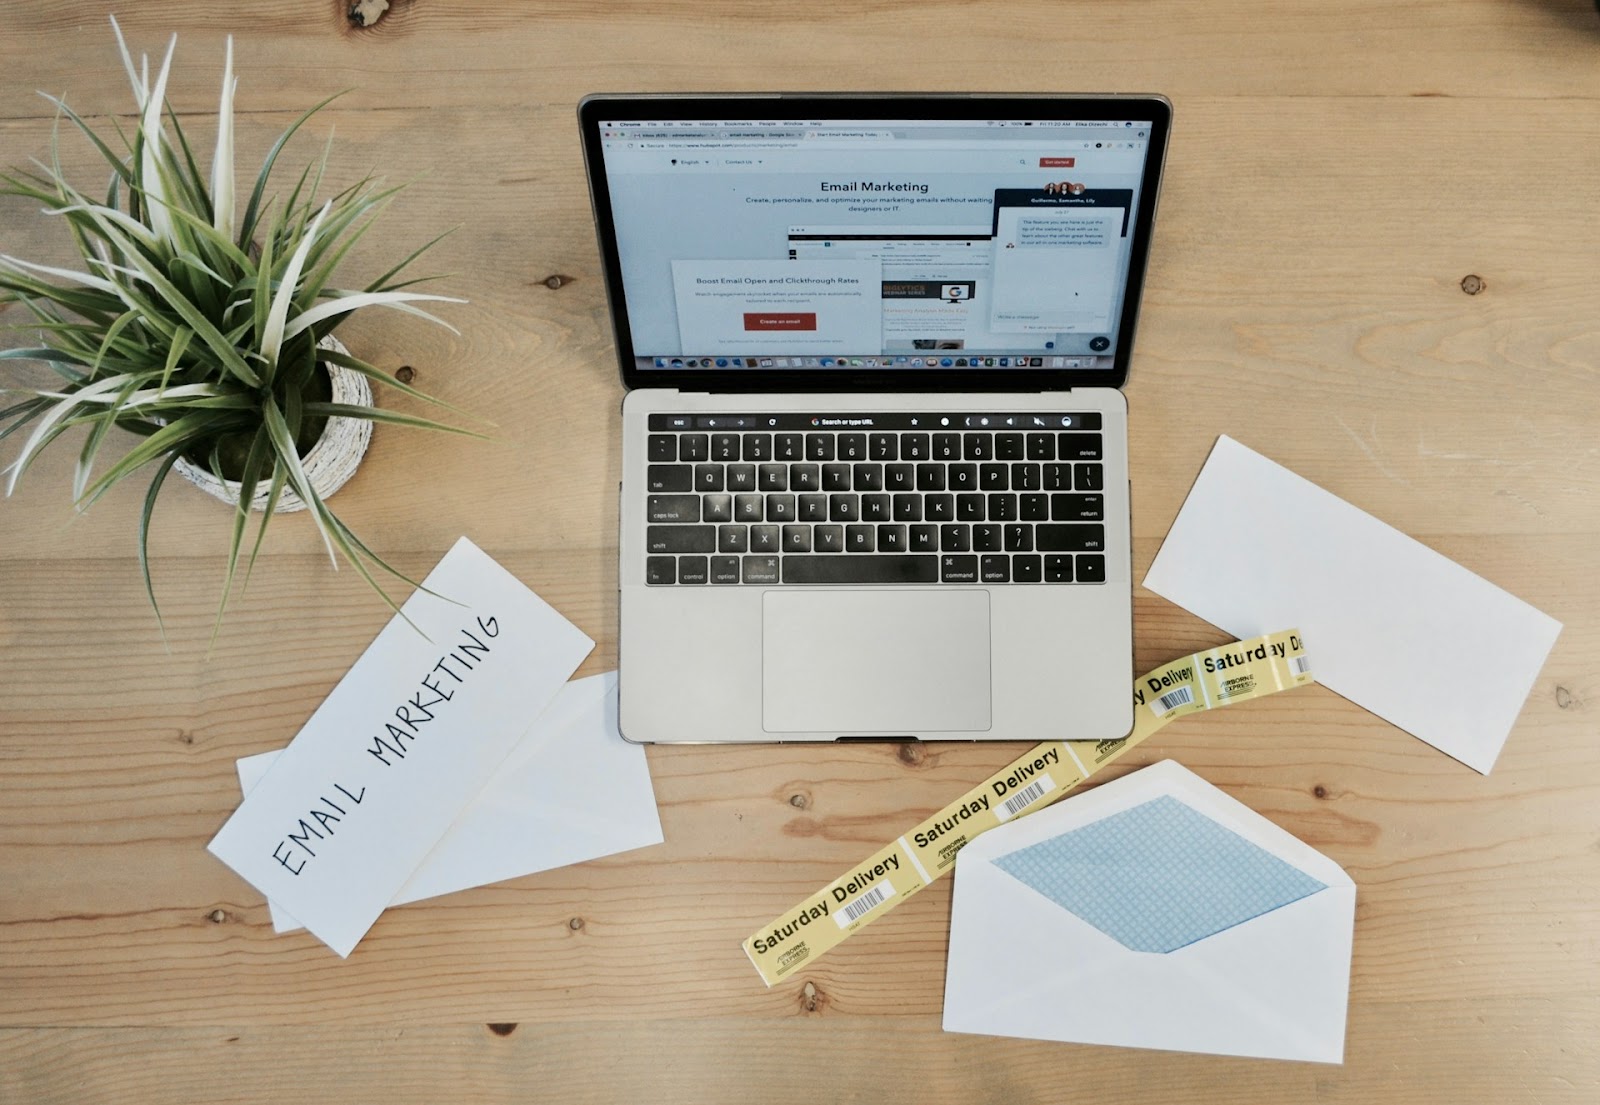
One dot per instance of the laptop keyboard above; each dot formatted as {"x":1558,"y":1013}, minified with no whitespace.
{"x":738,"y":499}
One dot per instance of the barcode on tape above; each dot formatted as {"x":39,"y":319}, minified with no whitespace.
{"x":1172,"y":700}
{"x":876,"y":895}
{"x":1299,"y":664}
{"x":1024,"y":798}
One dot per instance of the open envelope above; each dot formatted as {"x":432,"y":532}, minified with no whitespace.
{"x":1154,"y":912}
{"x":572,"y":790}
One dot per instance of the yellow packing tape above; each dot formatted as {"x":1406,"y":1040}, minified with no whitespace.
{"x":870,"y":889}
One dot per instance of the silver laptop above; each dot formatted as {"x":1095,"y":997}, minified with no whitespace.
{"x":874,"y":454}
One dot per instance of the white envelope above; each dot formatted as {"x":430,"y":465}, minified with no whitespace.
{"x":572,"y":790}
{"x":1272,"y":986}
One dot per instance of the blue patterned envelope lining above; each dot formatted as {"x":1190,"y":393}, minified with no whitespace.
{"x":1158,"y":876}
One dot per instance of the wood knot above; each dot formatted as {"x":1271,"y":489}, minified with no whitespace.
{"x":911,"y":753}
{"x":217,"y":916}
{"x":555,"y":280}
{"x":1320,"y":791}
{"x":576,"y":924}
{"x":1565,"y":699}
{"x":811,"y":999}
{"x":405,"y":374}
{"x":366,"y":13}
{"x":800,"y":801}
{"x":185,"y":736}
{"x":504,"y":1028}
{"x":1472,"y":284}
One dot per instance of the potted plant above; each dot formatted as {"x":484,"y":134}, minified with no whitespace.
{"x":202,"y":320}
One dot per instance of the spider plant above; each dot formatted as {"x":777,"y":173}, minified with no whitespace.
{"x":194,"y":319}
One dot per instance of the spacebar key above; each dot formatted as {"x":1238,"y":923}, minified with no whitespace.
{"x":876,"y":568}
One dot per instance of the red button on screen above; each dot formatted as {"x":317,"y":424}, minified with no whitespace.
{"x":1057,"y":162}
{"x":767,"y":320}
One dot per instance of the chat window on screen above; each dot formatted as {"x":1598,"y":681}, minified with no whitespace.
{"x":1058,"y":259}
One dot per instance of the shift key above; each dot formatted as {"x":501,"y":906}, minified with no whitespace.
{"x":680,"y":539}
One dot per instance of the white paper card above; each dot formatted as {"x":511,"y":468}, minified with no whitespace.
{"x":409,"y":736}
{"x":572,"y":790}
{"x":1389,"y":623}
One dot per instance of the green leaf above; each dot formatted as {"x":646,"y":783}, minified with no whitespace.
{"x":144,"y":534}
{"x":378,"y":414}
{"x":382,"y":283}
{"x":175,"y":437}
{"x":289,"y":459}
{"x":247,"y":225}
{"x":250,"y":475}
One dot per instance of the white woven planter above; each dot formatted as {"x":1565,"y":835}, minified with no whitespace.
{"x":331,"y":461}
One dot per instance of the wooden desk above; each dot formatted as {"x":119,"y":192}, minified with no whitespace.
{"x":1337,"y":171}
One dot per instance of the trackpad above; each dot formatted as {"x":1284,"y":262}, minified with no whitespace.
{"x":868,"y":662}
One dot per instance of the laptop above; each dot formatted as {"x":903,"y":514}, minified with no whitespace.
{"x":874,"y":456}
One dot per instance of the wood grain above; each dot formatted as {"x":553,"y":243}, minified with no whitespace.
{"x":1336,"y":171}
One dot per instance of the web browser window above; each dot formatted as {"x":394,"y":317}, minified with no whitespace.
{"x":874,"y":243}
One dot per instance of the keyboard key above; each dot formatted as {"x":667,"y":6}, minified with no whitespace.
{"x":995,"y":569}
{"x":1077,"y":508}
{"x":977,"y":446}
{"x":663,"y":447}
{"x":924,"y":538}
{"x":724,"y":447}
{"x":1058,"y":568}
{"x":805,"y":477}
{"x":860,"y":538}
{"x":914,"y":446}
{"x":1019,"y":537}
{"x":958,"y":569}
{"x":1057,"y":537}
{"x":852,"y":447}
{"x":861,"y":569}
{"x":939,"y":508}
{"x":788,"y":447}
{"x":868,"y":477}
{"x":1058,"y":477}
{"x":757,"y":447}
{"x":1002,"y":507}
{"x":1008,"y":447}
{"x":741,"y":477}
{"x":796,"y":539}
{"x":969,"y":508}
{"x":1091,"y":568}
{"x":1041,"y":447}
{"x":733,"y":539}
{"x":766,"y":539}
{"x":1025,"y":476}
{"x":1025,"y":569}
{"x":955,"y":538}
{"x":875,"y":508}
{"x":844,"y":508}
{"x":716,"y":508}
{"x":761,"y":569}
{"x":708,"y":477}
{"x":1090,"y":477}
{"x":1033,"y":508}
{"x":993,"y":477}
{"x":836,"y":477}
{"x":773,"y":477}
{"x":660,"y":569}
{"x":930,"y":477}
{"x":891,"y":539}
{"x":676,"y":539}
{"x":988,"y":537}
{"x":748,"y":508}
{"x":883,"y":447}
{"x":828,"y":539}
{"x":819,"y":446}
{"x":962,"y":477}
{"x":1078,"y":446}
{"x":946,"y":446}
{"x":813,"y":508}
{"x":899,"y":477}
{"x":693,"y":569}
{"x":724,"y":569}
{"x":694,"y":447}
{"x":669,"y":477}
{"x":780,"y":508}
{"x":907,"y":507}
{"x":673,"y":508}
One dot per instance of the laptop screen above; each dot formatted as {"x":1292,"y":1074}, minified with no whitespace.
{"x":806,"y":244}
